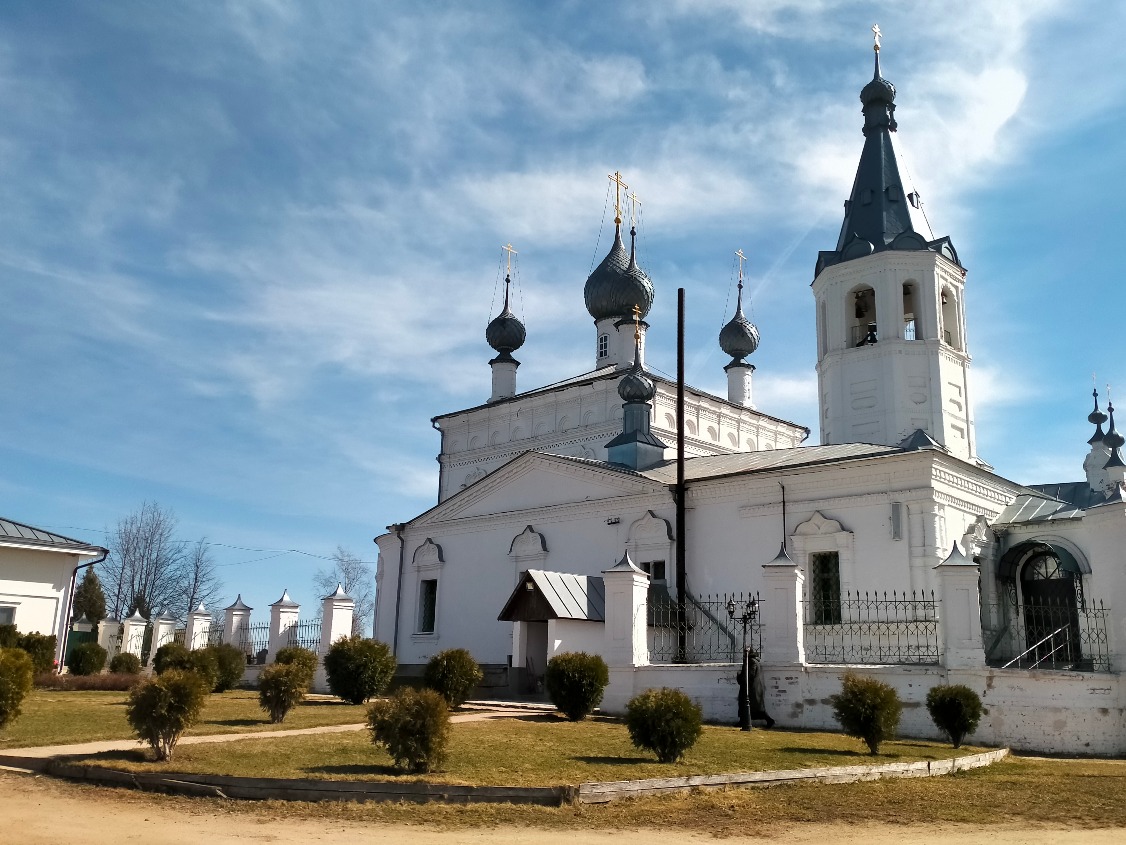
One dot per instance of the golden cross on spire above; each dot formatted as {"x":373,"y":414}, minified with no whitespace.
{"x":634,"y":205}
{"x":876,"y":36}
{"x":637,"y":324}
{"x":742,"y":258}
{"x":619,"y":186}
{"x":511,"y":252}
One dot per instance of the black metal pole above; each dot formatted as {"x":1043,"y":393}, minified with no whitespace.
{"x":746,"y":725}
{"x":681,"y":578}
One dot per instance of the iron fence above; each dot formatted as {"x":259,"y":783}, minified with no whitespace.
{"x":872,"y":628}
{"x":254,"y":641}
{"x":214,"y":635}
{"x":179,"y":635}
{"x":306,"y":634}
{"x":1047,"y":635}
{"x":705,"y":632}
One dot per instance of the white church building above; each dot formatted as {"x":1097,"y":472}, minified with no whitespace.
{"x":890,"y":548}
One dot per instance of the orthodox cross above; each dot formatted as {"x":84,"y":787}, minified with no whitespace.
{"x":876,"y":36}
{"x":637,"y":324}
{"x":634,"y":205}
{"x":619,"y":186}
{"x":742,"y":258}
{"x":511,"y":252}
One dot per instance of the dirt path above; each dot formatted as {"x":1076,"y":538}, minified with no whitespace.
{"x":40,"y":811}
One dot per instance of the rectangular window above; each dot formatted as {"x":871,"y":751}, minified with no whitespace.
{"x":825,"y":588}
{"x":7,"y":615}
{"x":427,"y":605}
{"x":655,"y":569}
{"x":603,"y":346}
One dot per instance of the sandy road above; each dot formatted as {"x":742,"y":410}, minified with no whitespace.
{"x":41,"y":811}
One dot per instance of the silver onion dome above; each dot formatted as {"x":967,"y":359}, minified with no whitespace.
{"x":617,"y":285}
{"x":635,"y":386}
{"x":505,"y":333}
{"x":739,"y":338}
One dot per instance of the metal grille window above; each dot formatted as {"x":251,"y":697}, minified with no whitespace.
{"x":603,"y":345}
{"x":427,"y":605}
{"x":825,"y":588}
{"x":7,"y":615}
{"x":655,"y":569}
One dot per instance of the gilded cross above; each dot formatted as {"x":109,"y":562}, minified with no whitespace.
{"x":876,"y":36}
{"x":637,"y":324}
{"x":619,"y":186}
{"x":742,"y":258}
{"x":511,"y":252}
{"x":634,"y":205}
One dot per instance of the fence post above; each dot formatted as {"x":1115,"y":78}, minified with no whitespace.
{"x":236,"y":622}
{"x":133,"y":633}
{"x":198,"y":629}
{"x":960,"y":613}
{"x":283,"y":616}
{"x":336,"y":617}
{"x":163,"y":629}
{"x":783,"y":628}
{"x":626,"y":630}
{"x":109,"y":631}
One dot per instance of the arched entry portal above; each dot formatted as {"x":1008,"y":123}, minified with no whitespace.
{"x":1044,"y":583}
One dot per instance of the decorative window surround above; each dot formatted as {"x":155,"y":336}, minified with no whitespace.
{"x":650,"y":541}
{"x":820,"y":534}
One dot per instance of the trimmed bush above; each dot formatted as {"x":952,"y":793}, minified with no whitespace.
{"x":359,"y":669}
{"x":86,"y":659}
{"x":107,"y":682}
{"x":16,"y":672}
{"x":664,"y":721}
{"x":575,"y":682}
{"x":9,"y":636}
{"x":414,"y":727}
{"x":202,"y":661}
{"x":171,"y":655}
{"x":41,"y":649}
{"x":160,"y":709}
{"x":867,"y":709}
{"x":955,"y":710}
{"x":231,"y":663}
{"x":125,"y":664}
{"x":303,"y":659}
{"x":281,"y":688}
{"x":453,"y":674}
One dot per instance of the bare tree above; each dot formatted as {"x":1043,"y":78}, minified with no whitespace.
{"x":357,"y":579}
{"x":150,"y":570}
{"x":199,"y":580}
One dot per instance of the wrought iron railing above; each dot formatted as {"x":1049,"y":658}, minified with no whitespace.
{"x":872,"y":628}
{"x":214,"y":635}
{"x":254,"y":641}
{"x":1047,"y":635}
{"x":306,"y":634}
{"x":704,"y":632}
{"x":179,"y":635}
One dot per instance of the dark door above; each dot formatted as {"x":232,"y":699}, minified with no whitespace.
{"x":1051,"y":617}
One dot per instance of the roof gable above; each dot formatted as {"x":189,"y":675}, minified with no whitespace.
{"x":18,"y":534}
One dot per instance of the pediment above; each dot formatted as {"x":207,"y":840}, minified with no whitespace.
{"x":818,"y":525}
{"x":535,"y":480}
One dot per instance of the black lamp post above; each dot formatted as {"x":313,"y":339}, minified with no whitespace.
{"x":746,"y":616}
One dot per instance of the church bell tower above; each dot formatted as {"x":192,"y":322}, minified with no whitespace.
{"x":891,"y":330}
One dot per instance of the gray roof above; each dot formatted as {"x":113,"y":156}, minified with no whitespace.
{"x":1036,"y":507}
{"x":715,"y":466}
{"x":14,"y":533}
{"x":572,"y":596}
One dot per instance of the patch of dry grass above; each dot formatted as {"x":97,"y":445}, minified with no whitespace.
{"x":58,"y":717}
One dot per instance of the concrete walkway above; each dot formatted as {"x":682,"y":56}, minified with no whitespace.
{"x":475,"y":711}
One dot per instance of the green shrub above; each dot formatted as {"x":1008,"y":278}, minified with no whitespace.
{"x":575,"y":682}
{"x":204,"y":663}
{"x":125,"y":664}
{"x":9,"y":636}
{"x":231,"y":663}
{"x":414,"y":727}
{"x":453,"y":674}
{"x":16,"y":672}
{"x":171,"y":655}
{"x":303,"y":659}
{"x":664,"y":721}
{"x":955,"y":710}
{"x":281,"y":688}
{"x":41,"y":649}
{"x":106,"y":681}
{"x":867,"y":709}
{"x":86,"y":659}
{"x":359,"y":669}
{"x":160,"y":709}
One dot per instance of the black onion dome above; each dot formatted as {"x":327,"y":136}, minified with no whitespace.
{"x":878,"y":90}
{"x":617,"y":285}
{"x":1113,"y":439}
{"x":1096,"y":418}
{"x":635,"y":386}
{"x":505,"y":333}
{"x":739,"y":338}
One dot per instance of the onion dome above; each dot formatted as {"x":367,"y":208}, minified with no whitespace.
{"x":1113,"y":441}
{"x":635,"y":386}
{"x":617,"y":285}
{"x":739,"y":338}
{"x":505,"y":333}
{"x":878,"y":99}
{"x":1096,"y":418}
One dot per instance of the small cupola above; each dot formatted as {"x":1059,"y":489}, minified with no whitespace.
{"x":636,"y":447}
{"x":505,"y":334}
{"x":739,"y":338}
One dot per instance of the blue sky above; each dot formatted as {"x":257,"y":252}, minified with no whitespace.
{"x":247,"y":250}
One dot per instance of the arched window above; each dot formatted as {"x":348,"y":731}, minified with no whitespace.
{"x":910,"y":312}
{"x":603,"y":346}
{"x":951,"y":325}
{"x":861,"y":313}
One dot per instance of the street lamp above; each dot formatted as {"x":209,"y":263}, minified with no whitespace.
{"x":746,"y":616}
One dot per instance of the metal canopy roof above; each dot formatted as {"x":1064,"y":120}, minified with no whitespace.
{"x":14,"y":533}
{"x":556,"y":595}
